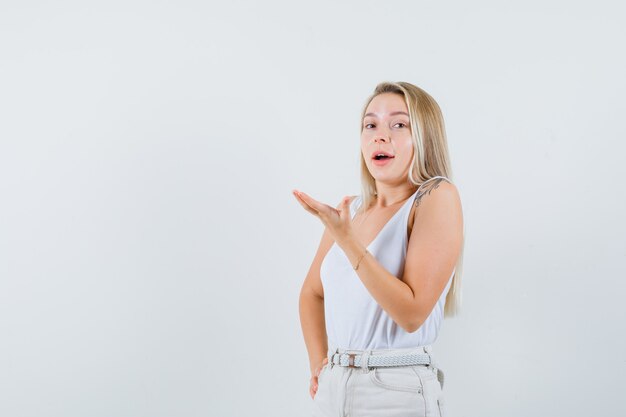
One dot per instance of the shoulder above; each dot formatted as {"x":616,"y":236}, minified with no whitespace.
{"x":437,"y":201}
{"x":437,"y":192}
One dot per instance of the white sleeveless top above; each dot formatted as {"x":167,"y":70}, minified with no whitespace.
{"x":354,"y":320}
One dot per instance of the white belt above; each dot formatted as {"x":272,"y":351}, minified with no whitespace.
{"x":353,"y":360}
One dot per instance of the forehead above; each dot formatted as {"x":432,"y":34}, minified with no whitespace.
{"x":384,"y":104}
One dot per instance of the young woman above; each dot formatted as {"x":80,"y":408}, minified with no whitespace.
{"x":387,"y":269}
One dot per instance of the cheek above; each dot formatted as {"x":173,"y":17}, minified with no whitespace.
{"x":407,"y":148}
{"x":407,"y":154}
{"x":364,"y":143}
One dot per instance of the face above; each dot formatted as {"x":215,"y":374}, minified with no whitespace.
{"x":385,"y":128}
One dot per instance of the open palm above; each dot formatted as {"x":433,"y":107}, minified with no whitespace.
{"x":336,"y":220}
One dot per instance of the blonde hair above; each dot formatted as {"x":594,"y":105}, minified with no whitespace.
{"x":430,"y":159}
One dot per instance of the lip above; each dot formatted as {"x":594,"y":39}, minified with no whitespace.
{"x":381,"y":152}
{"x":381,"y":162}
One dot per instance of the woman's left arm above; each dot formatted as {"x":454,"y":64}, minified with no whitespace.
{"x":433,"y":250}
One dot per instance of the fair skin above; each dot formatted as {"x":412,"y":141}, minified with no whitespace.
{"x":435,"y":233}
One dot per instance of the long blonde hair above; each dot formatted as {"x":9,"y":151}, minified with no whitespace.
{"x":430,"y":158}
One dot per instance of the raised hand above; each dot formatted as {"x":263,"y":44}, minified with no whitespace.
{"x":337,"y":221}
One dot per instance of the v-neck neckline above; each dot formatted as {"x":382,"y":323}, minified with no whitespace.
{"x":382,"y":229}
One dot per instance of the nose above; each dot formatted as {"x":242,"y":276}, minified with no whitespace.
{"x":382,"y":135}
{"x":380,"y":139}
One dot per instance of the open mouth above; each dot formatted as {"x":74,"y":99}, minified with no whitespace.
{"x":381,"y":160}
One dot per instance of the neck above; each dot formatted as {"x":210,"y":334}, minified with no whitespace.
{"x":389,"y":197}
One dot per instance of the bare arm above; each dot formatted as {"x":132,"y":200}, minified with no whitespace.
{"x":433,"y":249}
{"x":311,"y":306}
{"x":312,"y":318}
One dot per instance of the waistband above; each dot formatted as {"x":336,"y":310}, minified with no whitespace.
{"x":400,"y":351}
{"x":357,"y":358}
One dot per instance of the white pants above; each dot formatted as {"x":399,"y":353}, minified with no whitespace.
{"x":401,"y":391}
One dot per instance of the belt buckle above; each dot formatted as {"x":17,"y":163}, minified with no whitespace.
{"x":351,"y":357}
{"x":332,"y":358}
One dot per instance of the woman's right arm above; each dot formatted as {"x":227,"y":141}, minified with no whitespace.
{"x":312,"y":317}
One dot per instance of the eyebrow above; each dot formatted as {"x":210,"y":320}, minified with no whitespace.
{"x":390,"y":114}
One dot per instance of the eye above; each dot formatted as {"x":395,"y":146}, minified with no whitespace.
{"x":367,"y":124}
{"x":400,"y":123}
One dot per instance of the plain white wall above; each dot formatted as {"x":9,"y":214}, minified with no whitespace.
{"x":151,"y":251}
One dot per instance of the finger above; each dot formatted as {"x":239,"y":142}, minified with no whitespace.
{"x":320,"y":210}
{"x":345,"y":206}
{"x":302,"y":200}
{"x":306,"y":206}
{"x":313,"y":203}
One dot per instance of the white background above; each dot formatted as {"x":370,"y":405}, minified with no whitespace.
{"x":151,"y":251}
